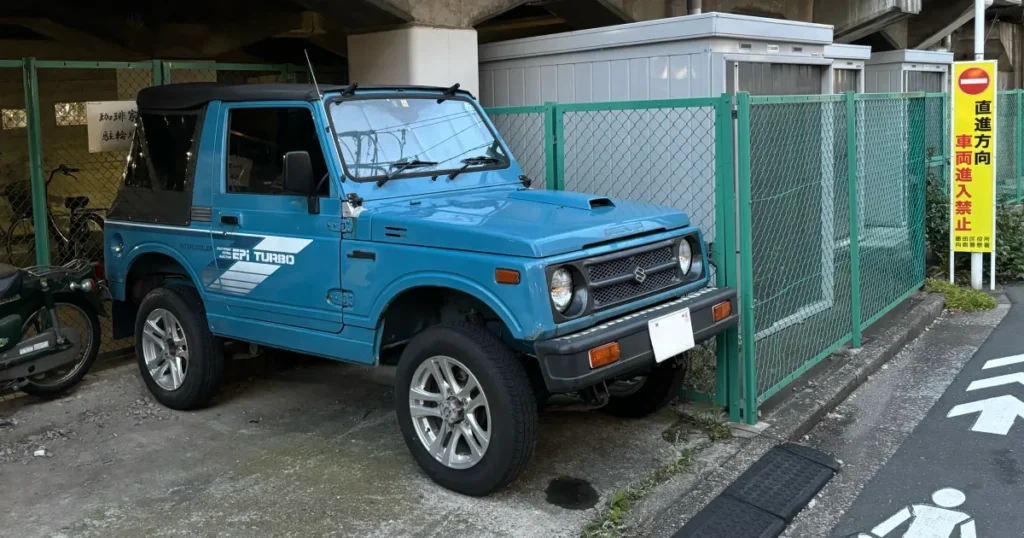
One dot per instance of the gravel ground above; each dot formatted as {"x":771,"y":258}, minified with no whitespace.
{"x":311,"y":449}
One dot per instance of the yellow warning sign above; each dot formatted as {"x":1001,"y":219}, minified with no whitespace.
{"x":973,"y":193}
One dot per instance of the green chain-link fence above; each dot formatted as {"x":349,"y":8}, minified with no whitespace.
{"x":799,"y":234}
{"x":834,"y":235}
{"x":830,"y":200}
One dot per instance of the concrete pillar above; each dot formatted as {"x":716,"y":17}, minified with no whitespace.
{"x":437,"y":48}
{"x":417,"y":55}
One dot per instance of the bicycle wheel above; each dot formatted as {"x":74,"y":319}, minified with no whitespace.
{"x":21,"y":243}
{"x":87,"y":238}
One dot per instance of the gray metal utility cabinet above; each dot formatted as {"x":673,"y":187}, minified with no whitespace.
{"x":898,"y":71}
{"x":693,"y":56}
{"x":848,"y":66}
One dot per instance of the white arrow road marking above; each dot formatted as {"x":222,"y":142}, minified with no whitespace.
{"x":997,"y":414}
{"x":1005,"y":361}
{"x":996,"y":381}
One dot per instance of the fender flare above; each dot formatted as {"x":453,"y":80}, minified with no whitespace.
{"x":143,"y":249}
{"x":446,"y":280}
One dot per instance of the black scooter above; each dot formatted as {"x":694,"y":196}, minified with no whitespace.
{"x":49,"y":326}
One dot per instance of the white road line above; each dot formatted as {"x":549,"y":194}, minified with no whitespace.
{"x":997,"y":381}
{"x":1005,"y":361}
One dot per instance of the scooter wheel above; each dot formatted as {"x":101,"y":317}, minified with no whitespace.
{"x":77,"y":314}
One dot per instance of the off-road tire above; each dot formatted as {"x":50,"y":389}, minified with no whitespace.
{"x":57,"y":389}
{"x":206,"y":357}
{"x":660,"y":387}
{"x":510,"y":398}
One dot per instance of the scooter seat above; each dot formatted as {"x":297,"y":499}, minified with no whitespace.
{"x":10,"y":280}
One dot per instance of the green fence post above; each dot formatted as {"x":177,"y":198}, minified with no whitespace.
{"x":726,"y":343}
{"x":746,"y":268}
{"x":550,"y":149}
{"x":851,"y":170}
{"x":158,"y":72}
{"x":30,"y":81}
{"x":1019,"y":142}
{"x":558,"y":144}
{"x":165,"y":72}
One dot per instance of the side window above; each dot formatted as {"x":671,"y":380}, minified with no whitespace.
{"x":158,"y":174}
{"x":258,"y":138}
{"x":161,"y":152}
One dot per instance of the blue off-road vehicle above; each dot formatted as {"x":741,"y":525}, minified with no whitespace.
{"x":392,"y":225}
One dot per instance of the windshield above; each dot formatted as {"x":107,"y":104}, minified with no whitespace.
{"x":401,"y":137}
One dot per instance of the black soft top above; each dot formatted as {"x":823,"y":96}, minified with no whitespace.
{"x":196,"y":94}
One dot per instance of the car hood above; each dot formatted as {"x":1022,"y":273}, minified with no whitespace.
{"x":524,"y":223}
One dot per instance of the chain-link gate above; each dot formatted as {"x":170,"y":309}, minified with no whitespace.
{"x":832,"y":224}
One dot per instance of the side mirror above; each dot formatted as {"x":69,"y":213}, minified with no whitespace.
{"x":298,"y":178}
{"x":298,"y":173}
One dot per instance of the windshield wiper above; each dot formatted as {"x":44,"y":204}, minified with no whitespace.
{"x":398,"y":167}
{"x":479,"y":160}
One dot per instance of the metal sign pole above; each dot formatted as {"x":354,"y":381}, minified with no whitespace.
{"x":977,"y":259}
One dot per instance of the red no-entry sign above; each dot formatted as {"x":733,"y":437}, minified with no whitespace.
{"x":974,"y":81}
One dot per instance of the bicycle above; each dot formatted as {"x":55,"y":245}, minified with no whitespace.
{"x":85,"y":226}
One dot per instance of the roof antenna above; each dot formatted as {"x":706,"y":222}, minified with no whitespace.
{"x":313,"y":76}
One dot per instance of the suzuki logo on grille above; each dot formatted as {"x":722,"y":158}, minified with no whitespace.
{"x":639,"y":274}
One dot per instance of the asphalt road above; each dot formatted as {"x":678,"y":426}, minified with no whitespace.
{"x":933,"y":445}
{"x":961,"y":467}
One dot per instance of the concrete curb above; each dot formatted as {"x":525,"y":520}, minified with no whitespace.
{"x":796,"y":412}
{"x":819,"y":395}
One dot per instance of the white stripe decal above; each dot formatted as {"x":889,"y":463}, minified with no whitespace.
{"x":238,"y":276}
{"x":287,"y":245}
{"x":253,"y":267}
{"x":974,"y":81}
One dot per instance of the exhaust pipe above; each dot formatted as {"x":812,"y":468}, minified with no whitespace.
{"x":695,"y":7}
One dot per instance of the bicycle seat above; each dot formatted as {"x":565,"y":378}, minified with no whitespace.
{"x":10,"y":280}
{"x":76,"y":202}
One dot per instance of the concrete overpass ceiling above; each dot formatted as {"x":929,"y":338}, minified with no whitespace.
{"x":549,"y":17}
{"x":226,"y":30}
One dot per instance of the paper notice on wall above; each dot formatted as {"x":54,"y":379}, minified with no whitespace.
{"x":111,"y":125}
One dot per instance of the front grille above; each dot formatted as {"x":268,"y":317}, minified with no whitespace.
{"x":613,"y":281}
{"x":626,"y":265}
{"x":623,"y":291}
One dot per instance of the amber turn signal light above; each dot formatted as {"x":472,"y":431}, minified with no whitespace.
{"x":721,"y":311}
{"x":603,"y":355}
{"x":506,"y":276}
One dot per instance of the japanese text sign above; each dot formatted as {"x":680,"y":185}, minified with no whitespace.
{"x":111,"y":125}
{"x":973,"y":186}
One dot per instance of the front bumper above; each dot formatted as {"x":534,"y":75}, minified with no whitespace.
{"x":565,"y":361}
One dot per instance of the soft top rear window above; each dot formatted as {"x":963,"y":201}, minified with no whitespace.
{"x":157,"y":181}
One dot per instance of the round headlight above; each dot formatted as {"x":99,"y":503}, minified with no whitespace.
{"x":685,"y":256}
{"x":561,"y":289}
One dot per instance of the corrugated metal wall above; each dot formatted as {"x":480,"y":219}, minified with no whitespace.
{"x":845,"y":80}
{"x":885,"y":80}
{"x":777,"y":79}
{"x":656,"y":77}
{"x":924,"y":81}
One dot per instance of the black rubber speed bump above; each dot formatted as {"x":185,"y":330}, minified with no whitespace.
{"x":765,"y":498}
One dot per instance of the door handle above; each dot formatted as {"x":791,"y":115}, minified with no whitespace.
{"x":229,"y":219}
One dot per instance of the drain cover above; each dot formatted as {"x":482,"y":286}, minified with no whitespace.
{"x":765,"y":498}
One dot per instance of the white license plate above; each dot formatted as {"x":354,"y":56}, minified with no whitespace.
{"x":671,"y":334}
